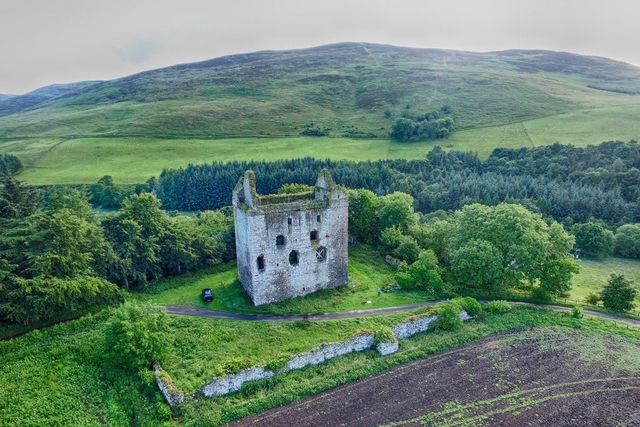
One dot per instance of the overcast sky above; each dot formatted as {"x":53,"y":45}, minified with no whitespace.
{"x":61,"y":41}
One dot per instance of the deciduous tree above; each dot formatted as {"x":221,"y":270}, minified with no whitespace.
{"x":135,"y":338}
{"x":626,"y":242}
{"x":522,"y":246}
{"x":396,"y":210}
{"x":363,"y":205}
{"x":619,"y":293}
{"x":593,"y":238}
{"x":424,"y":273}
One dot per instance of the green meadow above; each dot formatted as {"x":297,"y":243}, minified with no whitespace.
{"x":367,"y":273}
{"x":579,"y":128}
{"x":135,"y":160}
{"x":594,"y":274}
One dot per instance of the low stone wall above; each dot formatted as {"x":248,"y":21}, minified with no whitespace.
{"x":226,"y":384}
{"x":219,"y":386}
{"x":387,"y":347}
{"x":318,"y":355}
{"x":412,"y":327}
{"x":171,"y":394}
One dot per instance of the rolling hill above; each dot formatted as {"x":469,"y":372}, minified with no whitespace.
{"x":10,"y":104}
{"x":347,"y":90}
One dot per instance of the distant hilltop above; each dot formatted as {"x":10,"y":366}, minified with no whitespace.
{"x":347,"y":89}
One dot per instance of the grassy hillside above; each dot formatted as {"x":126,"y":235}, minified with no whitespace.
{"x":345,"y":87}
{"x":511,"y":98}
{"x":10,"y":104}
{"x":134,"y":160}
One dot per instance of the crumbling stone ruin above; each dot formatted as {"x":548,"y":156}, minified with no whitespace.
{"x":290,"y":245}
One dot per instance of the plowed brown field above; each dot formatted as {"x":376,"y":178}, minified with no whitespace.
{"x":535,"y":376}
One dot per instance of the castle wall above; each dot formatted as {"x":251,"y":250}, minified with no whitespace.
{"x":274,"y":232}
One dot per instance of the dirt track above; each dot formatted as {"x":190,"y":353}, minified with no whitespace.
{"x":203,"y":312}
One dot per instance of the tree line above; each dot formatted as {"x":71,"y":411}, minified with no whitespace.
{"x":568,"y":184}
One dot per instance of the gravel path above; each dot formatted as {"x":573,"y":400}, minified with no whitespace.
{"x":216,"y":314}
{"x":204,"y":312}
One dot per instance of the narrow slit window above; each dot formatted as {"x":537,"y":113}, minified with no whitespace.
{"x":289,"y":221}
{"x":280,"y":240}
{"x":314,"y":235}
{"x":261,"y":262}
{"x":319,"y":218}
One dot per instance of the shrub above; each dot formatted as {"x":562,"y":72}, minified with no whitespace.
{"x":277,"y":364}
{"x":237,"y":364}
{"x":498,"y":306}
{"x":135,"y":337}
{"x":384,"y":334}
{"x":592,"y":299}
{"x":577,"y":312}
{"x":626,"y":242}
{"x":470,"y":305}
{"x":448,"y":316}
{"x":541,"y":294}
{"x":593,"y":238}
{"x":423,"y":273}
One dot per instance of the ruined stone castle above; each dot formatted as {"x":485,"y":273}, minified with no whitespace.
{"x":290,"y":245}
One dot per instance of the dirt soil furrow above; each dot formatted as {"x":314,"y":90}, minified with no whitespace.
{"x":533,"y":376}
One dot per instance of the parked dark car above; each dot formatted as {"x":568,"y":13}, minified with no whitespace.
{"x":207,"y":295}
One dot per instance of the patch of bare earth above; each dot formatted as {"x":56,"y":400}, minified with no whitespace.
{"x":539,"y":376}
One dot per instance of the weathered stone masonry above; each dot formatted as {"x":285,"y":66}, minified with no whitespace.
{"x":293,"y":244}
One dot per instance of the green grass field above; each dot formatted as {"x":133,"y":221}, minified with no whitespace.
{"x":135,"y":160}
{"x":367,"y":273}
{"x":594,"y":274}
{"x":65,"y":365}
{"x":580,"y":128}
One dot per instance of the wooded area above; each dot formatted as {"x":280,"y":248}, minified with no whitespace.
{"x":566,"y":183}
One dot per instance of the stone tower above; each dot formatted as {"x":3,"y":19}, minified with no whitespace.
{"x":290,"y":245}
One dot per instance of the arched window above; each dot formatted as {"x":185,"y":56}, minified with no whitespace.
{"x":280,"y":240}
{"x":293,"y":258}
